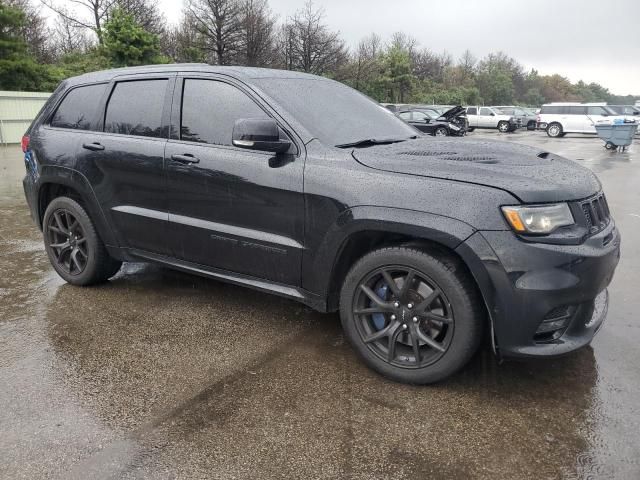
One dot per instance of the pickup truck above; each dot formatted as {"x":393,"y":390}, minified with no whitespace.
{"x":491,"y":117}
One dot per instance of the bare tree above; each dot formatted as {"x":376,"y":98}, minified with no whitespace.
{"x":68,"y":37}
{"x":183,"y":43}
{"x":365,"y":60}
{"x":92,"y":15}
{"x":35,"y":31}
{"x":257,"y":40}
{"x":218,"y":21}
{"x":307,"y":44}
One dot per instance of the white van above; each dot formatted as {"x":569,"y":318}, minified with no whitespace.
{"x":559,"y":119}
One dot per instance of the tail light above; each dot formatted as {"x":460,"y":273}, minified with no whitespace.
{"x":25,"y":143}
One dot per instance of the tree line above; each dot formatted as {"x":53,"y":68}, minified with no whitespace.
{"x":36,"y":54}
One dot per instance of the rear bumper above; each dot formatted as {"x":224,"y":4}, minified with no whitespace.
{"x":527,"y":283}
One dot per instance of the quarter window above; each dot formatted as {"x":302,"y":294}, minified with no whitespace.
{"x":135,"y":108}
{"x":210,"y":108}
{"x":79,"y":107}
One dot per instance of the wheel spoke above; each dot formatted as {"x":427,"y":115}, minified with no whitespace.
{"x":375,"y":298}
{"x":393,"y":339}
{"x":391,"y":283}
{"x":406,"y":286}
{"x":385,"y":332}
{"x":62,"y":245}
{"x":430,"y":341}
{"x":56,"y":230}
{"x":437,"y":318}
{"x":74,"y":257}
{"x":415,"y":343}
{"x":56,"y":216}
{"x":73,"y":225}
{"x":369,"y":311}
{"x":422,"y":306}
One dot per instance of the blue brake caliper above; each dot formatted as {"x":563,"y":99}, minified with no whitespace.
{"x":378,"y":318}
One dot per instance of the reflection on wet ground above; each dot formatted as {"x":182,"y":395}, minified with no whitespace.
{"x":160,"y":374}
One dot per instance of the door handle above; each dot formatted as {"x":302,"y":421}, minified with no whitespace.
{"x":95,"y":146}
{"x":187,"y":159}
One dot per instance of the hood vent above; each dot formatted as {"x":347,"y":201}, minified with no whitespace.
{"x":424,"y":153}
{"x":471,"y":158}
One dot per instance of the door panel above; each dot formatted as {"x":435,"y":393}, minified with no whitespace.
{"x":235,"y":209}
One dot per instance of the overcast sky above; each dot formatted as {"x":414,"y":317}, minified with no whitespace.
{"x":590,"y":40}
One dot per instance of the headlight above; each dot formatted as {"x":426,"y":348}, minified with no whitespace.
{"x":453,"y":126}
{"x":538,"y":219}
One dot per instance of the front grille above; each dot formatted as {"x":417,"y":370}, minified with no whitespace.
{"x":596,"y":213}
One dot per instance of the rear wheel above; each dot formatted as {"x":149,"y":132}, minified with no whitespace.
{"x":413,"y":317}
{"x":503,"y":126}
{"x":470,"y":129}
{"x":74,"y":248}
{"x":441,"y":132}
{"x":554,"y":130}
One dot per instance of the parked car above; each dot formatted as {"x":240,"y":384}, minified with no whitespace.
{"x":630,"y":112}
{"x":300,"y":186}
{"x":490,"y":117}
{"x":452,"y":122}
{"x":523,"y":116}
{"x":558,"y":119}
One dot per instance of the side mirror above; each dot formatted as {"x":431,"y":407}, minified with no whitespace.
{"x":427,"y":120}
{"x":605,"y":114}
{"x":492,"y":114}
{"x":259,"y":134}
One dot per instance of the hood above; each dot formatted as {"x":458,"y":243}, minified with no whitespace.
{"x":532,"y":175}
{"x":451,"y":113}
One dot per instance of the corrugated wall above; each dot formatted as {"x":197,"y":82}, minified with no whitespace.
{"x":17,"y":110}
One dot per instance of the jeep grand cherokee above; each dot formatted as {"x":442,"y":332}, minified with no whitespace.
{"x":300,"y":186}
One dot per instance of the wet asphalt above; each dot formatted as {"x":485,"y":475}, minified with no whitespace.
{"x":158,"y":374}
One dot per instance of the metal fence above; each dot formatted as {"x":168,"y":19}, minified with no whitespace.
{"x":17,"y":110}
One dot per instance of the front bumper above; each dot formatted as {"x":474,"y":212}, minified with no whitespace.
{"x":527,"y":282}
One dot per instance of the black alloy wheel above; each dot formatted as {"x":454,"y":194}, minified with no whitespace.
{"x":66,"y":238}
{"x":403,"y":316}
{"x":73,"y":245}
{"x":413,"y":316}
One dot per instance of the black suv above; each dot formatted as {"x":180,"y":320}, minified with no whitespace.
{"x":300,"y":186}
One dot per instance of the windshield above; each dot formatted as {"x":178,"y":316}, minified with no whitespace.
{"x":333,"y":112}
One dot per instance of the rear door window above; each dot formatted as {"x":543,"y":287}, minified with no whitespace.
{"x":576,"y":110}
{"x":210,"y":108}
{"x":79,"y":108}
{"x":135,"y":108}
{"x":596,"y":111}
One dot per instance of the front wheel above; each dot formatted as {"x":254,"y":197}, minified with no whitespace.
{"x":413,"y":317}
{"x":503,"y":127}
{"x":554,"y":130}
{"x":74,"y":248}
{"x":441,"y":132}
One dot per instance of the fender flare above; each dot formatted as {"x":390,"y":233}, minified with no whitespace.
{"x":320,"y":264}
{"x":68,"y":177}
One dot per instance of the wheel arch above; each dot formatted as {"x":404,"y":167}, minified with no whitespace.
{"x":61,"y":181}
{"x":363,"y":229}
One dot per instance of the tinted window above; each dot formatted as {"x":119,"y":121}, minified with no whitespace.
{"x":210,"y":108}
{"x":596,"y":111}
{"x":509,"y":111}
{"x":551,"y":109}
{"x":419,"y":116}
{"x":79,"y":108}
{"x":135,"y":108}
{"x":333,"y":112}
{"x":576,"y":110}
{"x":406,"y":116}
{"x":472,"y":111}
{"x":485,"y":111}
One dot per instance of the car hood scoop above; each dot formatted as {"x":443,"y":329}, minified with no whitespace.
{"x":528,"y":173}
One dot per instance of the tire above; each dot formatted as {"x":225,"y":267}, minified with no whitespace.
{"x":441,"y":132}
{"x":531,"y":125}
{"x":470,"y":129}
{"x":554,"y":130}
{"x":503,"y":126}
{"x":441,"y":283}
{"x":74,"y":248}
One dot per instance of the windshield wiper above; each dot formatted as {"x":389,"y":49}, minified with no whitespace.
{"x":368,"y":142}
